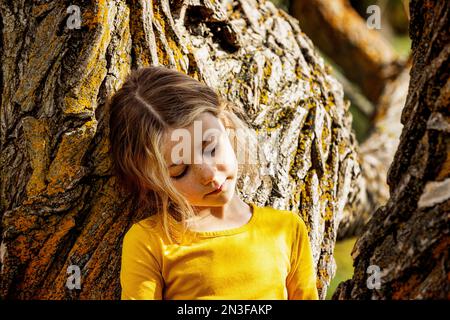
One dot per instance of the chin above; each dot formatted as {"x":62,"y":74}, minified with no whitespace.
{"x":217,"y":201}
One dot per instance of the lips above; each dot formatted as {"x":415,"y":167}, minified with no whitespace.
{"x":218,"y":189}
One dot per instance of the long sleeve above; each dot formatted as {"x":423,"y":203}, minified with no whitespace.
{"x":140,"y":274}
{"x":301,"y":280}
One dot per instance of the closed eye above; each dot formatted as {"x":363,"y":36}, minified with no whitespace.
{"x":182,"y":174}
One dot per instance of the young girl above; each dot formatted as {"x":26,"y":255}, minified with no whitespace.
{"x":201,"y":241}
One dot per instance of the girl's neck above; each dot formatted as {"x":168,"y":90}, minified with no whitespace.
{"x":235,"y":209}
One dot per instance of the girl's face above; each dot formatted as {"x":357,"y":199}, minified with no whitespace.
{"x":211,"y":163}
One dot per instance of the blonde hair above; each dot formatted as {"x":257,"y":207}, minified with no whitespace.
{"x":151,"y":101}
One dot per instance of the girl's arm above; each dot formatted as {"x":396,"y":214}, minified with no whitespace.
{"x":140,"y":275}
{"x":301,"y":280}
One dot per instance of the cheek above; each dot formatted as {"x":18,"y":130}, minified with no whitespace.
{"x":186,"y":187}
{"x":182,"y":186}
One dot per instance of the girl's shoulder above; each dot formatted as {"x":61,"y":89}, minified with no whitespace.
{"x":281,"y":218}
{"x":145,"y":227}
{"x":269,"y":212}
{"x":151,"y":222}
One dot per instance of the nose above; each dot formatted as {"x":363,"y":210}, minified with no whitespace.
{"x":207,"y":172}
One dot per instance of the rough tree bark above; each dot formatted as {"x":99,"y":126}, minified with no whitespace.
{"x":365,"y":57}
{"x":60,"y":206}
{"x":408,"y":239}
{"x":370,"y":61}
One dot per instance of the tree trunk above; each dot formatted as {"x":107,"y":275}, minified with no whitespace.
{"x":403,"y":253}
{"x":60,"y":206}
{"x":370,"y":61}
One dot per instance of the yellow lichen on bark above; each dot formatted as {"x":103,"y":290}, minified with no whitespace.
{"x":37,"y":144}
{"x":67,"y":164}
{"x":163,"y":57}
{"x":175,"y":54}
{"x":98,"y":226}
{"x":42,"y":262}
{"x":38,"y":61}
{"x":82,"y":97}
{"x":121,"y":59}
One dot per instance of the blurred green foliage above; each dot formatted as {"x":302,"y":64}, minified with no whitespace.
{"x":344,"y":263}
{"x":282,"y":4}
{"x":360,"y":123}
{"x":402,"y":44}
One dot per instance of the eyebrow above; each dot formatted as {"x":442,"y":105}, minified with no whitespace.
{"x":179,"y":164}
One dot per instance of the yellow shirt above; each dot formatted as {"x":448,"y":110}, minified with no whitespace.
{"x":267,"y":258}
